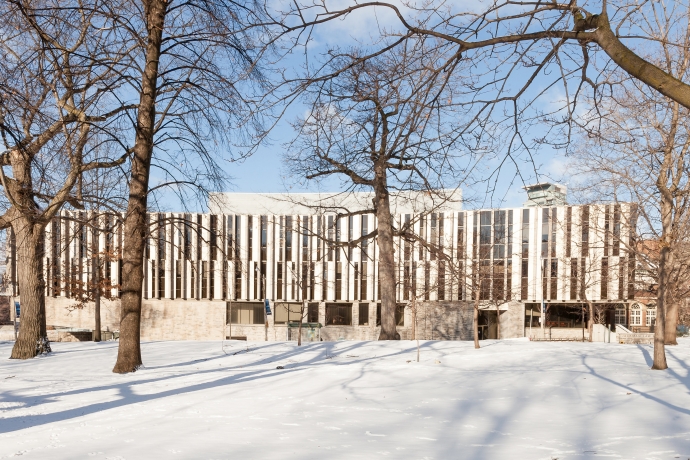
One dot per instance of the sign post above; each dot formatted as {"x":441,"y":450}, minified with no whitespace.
{"x":17,"y":311}
{"x":267,"y":312}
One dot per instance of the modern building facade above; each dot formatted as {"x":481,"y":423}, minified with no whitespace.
{"x":207,"y":275}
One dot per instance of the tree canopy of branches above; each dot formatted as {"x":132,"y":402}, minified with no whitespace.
{"x":637,"y":150}
{"x":195,"y":74}
{"x":57,"y":119}
{"x":386,"y":125}
{"x":520,"y":52}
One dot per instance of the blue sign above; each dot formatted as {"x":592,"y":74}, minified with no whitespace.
{"x":267,"y":304}
{"x":17,"y":309}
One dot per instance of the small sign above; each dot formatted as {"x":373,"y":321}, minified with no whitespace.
{"x":267,"y":304}
{"x":17,"y":309}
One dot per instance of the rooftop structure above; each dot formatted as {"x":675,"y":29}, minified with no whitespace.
{"x":545,"y":194}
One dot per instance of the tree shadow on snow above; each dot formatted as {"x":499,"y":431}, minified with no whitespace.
{"x":327,"y":353}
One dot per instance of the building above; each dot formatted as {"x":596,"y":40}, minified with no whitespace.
{"x":545,"y":194}
{"x":206,"y":275}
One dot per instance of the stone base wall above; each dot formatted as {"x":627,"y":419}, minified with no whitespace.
{"x":450,"y":320}
{"x":557,"y":333}
{"x":206,"y":320}
{"x":64,"y":312}
{"x":66,"y":336}
{"x":512,"y":320}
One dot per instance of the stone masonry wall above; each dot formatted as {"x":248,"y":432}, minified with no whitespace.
{"x":205,"y":320}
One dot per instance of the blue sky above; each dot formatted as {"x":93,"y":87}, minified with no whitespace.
{"x":264,"y":172}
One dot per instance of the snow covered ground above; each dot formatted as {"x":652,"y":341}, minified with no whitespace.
{"x":509,"y":400}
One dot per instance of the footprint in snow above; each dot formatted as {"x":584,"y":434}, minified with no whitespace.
{"x":369,"y":433}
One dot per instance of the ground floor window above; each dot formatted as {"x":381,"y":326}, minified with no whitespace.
{"x":287,"y":312}
{"x":313,"y":313}
{"x":651,"y":316}
{"x":246,"y":312}
{"x":635,"y":316}
{"x":363,"y":314}
{"x":620,"y":316}
{"x":338,"y":314}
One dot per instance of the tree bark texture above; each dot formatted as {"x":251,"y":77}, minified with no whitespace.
{"x":672,"y":312}
{"x":659,"y":329}
{"x":386,"y":252}
{"x":129,"y":350}
{"x":665,"y":262}
{"x":33,"y":338}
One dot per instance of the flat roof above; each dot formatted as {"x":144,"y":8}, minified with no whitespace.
{"x":330,"y":202}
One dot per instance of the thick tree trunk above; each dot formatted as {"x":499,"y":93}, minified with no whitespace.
{"x":659,"y":329}
{"x":671,"y":325}
{"x":33,"y":338}
{"x":386,"y":254}
{"x":129,"y":350}
{"x":665,"y":261}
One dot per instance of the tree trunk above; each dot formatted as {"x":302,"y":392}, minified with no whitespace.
{"x":129,"y":350}
{"x":97,"y":298}
{"x":33,"y":338}
{"x":299,"y":328}
{"x":671,"y":325}
{"x":386,"y":253}
{"x":476,"y":317}
{"x":414,"y":319}
{"x":659,"y":329}
{"x":665,"y":261}
{"x":590,"y":322}
{"x":498,"y":323}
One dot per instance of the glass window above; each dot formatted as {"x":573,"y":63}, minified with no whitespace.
{"x":247,"y":312}
{"x":651,"y":316}
{"x":287,"y":312}
{"x":313,"y":313}
{"x":338,"y":314}
{"x":620,"y":316}
{"x":499,"y":234}
{"x":635,"y":316}
{"x":363,"y":314}
{"x":485,"y":235}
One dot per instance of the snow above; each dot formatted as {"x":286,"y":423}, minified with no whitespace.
{"x":511,"y":399}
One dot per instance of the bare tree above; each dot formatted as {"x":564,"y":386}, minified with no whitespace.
{"x":382,"y":125}
{"x":55,"y":110}
{"x":643,"y":133}
{"x":562,"y":44}
{"x":197,"y":62}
